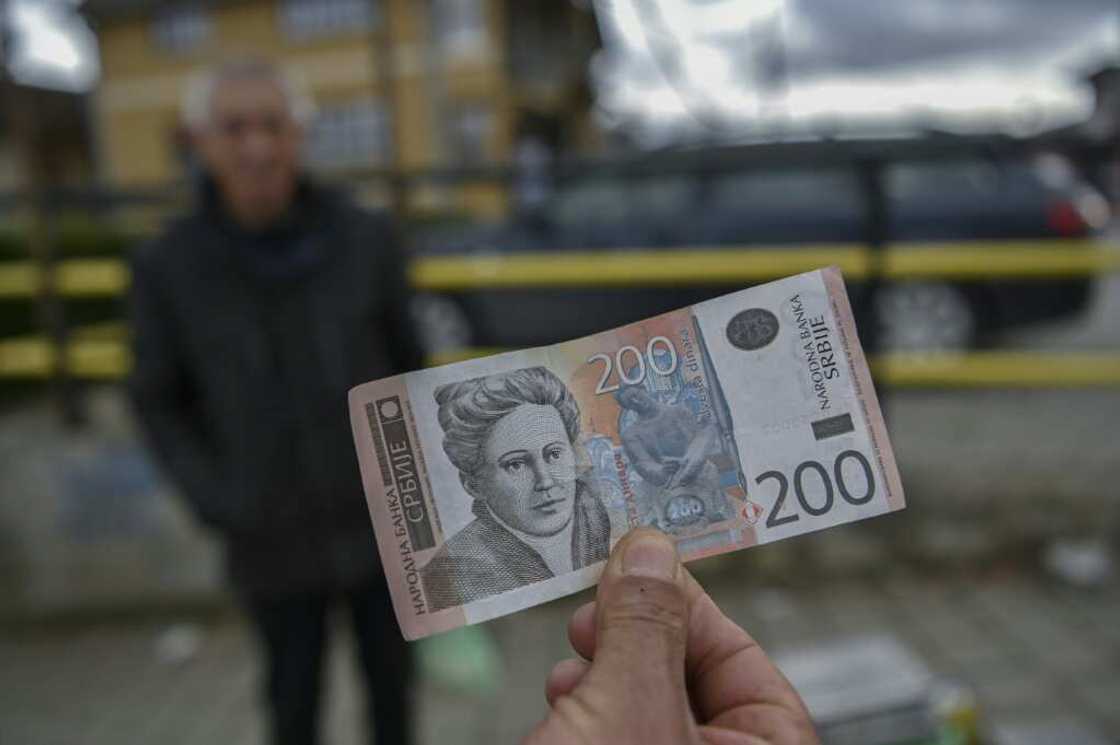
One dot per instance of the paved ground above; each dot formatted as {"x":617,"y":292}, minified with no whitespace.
{"x":1039,"y":656}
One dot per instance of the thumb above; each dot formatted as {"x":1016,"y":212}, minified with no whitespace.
{"x":638,"y":672}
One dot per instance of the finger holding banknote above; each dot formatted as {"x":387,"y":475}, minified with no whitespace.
{"x":666,"y":666}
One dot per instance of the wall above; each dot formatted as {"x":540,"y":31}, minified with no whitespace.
{"x":138,"y":103}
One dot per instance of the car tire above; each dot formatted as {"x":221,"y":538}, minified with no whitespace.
{"x":442,"y":324}
{"x":924,"y":317}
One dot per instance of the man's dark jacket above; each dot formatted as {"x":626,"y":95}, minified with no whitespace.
{"x":245,"y":347}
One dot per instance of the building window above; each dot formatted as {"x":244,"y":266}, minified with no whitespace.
{"x":181,"y":28}
{"x":469,"y":133}
{"x":459,"y":27}
{"x":355,"y":133}
{"x":308,"y":19}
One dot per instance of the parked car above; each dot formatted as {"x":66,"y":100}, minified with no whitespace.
{"x":972,"y":202}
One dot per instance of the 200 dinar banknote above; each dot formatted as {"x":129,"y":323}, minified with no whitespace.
{"x":499,"y":483}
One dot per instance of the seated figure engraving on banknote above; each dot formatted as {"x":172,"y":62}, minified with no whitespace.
{"x":499,"y":483}
{"x":671,"y":449}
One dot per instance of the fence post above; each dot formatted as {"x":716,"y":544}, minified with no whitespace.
{"x":876,"y":230}
{"x":26,"y":118}
{"x":51,"y":310}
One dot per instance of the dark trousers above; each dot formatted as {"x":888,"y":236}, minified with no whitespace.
{"x":293,"y":634}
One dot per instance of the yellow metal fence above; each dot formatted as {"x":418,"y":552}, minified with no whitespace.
{"x":102,"y":353}
{"x":1040,"y":259}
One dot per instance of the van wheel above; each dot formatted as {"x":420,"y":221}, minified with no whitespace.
{"x":924,"y":316}
{"x":441,"y":323}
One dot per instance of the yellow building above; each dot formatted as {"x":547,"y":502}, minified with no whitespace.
{"x":399,"y":84}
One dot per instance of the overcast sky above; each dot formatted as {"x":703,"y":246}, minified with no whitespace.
{"x":53,"y":48}
{"x":742,"y":66}
{"x":674,"y":69}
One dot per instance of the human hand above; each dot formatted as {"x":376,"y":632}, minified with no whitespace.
{"x":661,"y":664}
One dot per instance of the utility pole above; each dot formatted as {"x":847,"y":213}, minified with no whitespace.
{"x":385,"y":61}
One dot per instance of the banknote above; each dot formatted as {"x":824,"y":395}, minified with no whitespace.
{"x":496,"y":484}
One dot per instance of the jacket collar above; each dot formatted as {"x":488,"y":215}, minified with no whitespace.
{"x":291,"y":249}
{"x":310,"y":202}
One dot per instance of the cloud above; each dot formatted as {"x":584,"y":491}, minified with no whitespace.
{"x":874,"y":34}
{"x":754,"y":65}
{"x":53,"y":47}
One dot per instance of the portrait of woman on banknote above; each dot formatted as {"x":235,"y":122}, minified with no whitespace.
{"x":513,"y":437}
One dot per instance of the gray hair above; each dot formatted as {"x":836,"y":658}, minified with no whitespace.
{"x":469,"y":410}
{"x":198,"y":96}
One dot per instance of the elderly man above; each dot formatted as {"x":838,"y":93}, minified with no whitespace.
{"x":254,"y":315}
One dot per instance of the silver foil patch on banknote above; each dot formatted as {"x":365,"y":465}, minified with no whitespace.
{"x":499,"y":483}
